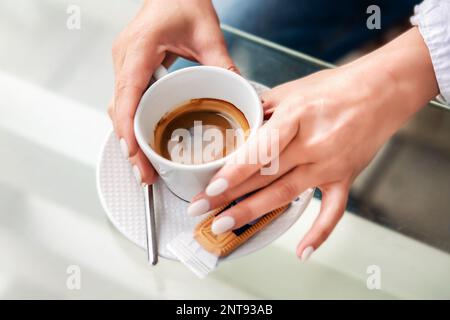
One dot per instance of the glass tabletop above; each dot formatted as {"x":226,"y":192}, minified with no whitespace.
{"x":56,"y":241}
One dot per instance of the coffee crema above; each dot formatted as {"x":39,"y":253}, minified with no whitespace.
{"x":200,"y":131}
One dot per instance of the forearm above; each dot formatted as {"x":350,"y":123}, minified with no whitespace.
{"x":400,"y":75}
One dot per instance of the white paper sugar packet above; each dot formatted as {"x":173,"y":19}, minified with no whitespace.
{"x":192,"y":254}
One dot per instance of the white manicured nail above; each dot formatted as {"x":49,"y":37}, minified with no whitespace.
{"x":124,"y":148}
{"x":137,"y":174}
{"x":222,"y":225}
{"x":216,"y":187}
{"x":198,"y":207}
{"x":307,"y":253}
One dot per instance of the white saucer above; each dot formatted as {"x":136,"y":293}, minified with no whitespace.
{"x":123,"y":201}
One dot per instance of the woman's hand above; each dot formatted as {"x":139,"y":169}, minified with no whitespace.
{"x":329,"y":126}
{"x":161,"y":30}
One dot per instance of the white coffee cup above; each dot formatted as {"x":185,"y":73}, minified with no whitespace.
{"x":170,"y":91}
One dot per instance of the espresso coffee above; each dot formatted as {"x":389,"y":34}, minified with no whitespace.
{"x":200,"y":131}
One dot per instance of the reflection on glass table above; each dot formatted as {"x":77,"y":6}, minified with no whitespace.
{"x":53,"y":94}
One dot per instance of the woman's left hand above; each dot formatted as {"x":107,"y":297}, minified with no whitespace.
{"x":329,"y":126}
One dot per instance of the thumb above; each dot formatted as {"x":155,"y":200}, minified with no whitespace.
{"x":218,"y":56}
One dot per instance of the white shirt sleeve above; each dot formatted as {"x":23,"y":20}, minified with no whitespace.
{"x":433,"y":19}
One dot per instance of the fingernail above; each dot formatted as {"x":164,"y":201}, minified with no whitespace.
{"x":137,"y":174}
{"x":216,"y":187}
{"x":198,"y":207}
{"x":222,"y":225}
{"x":234,"y":69}
{"x":307,"y":253}
{"x":124,"y":148}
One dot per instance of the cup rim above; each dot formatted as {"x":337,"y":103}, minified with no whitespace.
{"x":145,"y":146}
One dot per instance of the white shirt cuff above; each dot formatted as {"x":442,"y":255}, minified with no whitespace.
{"x":433,"y":19}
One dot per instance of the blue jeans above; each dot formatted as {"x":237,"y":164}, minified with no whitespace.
{"x":325,"y":29}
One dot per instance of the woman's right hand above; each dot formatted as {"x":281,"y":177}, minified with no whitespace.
{"x":162,"y":30}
